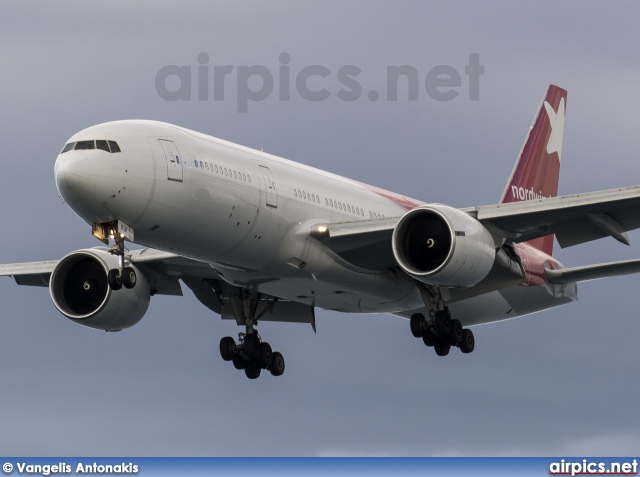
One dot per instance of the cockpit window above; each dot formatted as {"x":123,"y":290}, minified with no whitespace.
{"x":68,"y":147}
{"x":85,"y":145}
{"x":102,"y":144}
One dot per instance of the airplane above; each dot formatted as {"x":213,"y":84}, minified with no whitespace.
{"x":260,"y":238}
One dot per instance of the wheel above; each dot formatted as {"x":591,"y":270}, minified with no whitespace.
{"x":416,"y":321}
{"x":442,"y":349}
{"x":468,"y":342}
{"x":227,"y":348}
{"x":455,"y":336}
{"x":277,"y":365}
{"x":252,"y":345}
{"x":252,"y":371}
{"x":443,"y":322}
{"x":266,"y":355}
{"x":238,"y":362}
{"x":428,"y":339}
{"x":115,"y":282}
{"x":129,"y":277}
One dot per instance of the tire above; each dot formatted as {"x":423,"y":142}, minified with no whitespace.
{"x":252,"y":346}
{"x":252,"y":371}
{"x":115,"y":282}
{"x":443,"y":322}
{"x":416,"y":324}
{"x":428,"y":339}
{"x":129,"y":277}
{"x":442,"y":349}
{"x":277,"y":365}
{"x":468,"y":342}
{"x":266,"y":355}
{"x":227,"y":348}
{"x":455,"y":337}
{"x":238,"y":362}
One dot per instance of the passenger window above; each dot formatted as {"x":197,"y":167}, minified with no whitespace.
{"x":226,"y":172}
{"x":317,"y":199}
{"x":195,"y":162}
{"x":85,"y":145}
{"x":201,"y":165}
{"x":114,"y":146}
{"x":206,"y":164}
{"x":68,"y":147}
{"x":249,"y":178}
{"x":235,"y":176}
{"x":304,"y":194}
{"x":244,"y":177}
{"x":339,"y":205}
{"x":295,"y":193}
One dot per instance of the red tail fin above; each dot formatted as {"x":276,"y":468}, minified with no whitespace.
{"x":537,"y":169}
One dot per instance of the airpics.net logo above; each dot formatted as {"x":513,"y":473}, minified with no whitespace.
{"x":207,"y":81}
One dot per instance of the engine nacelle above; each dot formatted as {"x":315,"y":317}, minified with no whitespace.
{"x":443,"y":246}
{"x":80,"y":291}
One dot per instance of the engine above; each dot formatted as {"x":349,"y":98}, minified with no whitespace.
{"x":443,"y":246}
{"x":80,"y":291}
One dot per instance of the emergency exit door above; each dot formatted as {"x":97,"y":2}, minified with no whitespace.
{"x":174,"y":161}
{"x":270,"y":186}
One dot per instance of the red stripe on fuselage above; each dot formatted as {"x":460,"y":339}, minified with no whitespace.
{"x":534,"y":262}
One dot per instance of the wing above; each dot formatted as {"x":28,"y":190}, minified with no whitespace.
{"x":164,"y":271}
{"x":574,"y":219}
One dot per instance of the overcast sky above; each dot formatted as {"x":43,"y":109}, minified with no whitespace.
{"x":562,"y":382}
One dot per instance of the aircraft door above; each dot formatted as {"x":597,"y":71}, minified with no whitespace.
{"x":174,"y":161}
{"x":270,"y":186}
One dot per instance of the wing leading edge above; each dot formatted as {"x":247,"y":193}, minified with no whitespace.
{"x":574,"y":219}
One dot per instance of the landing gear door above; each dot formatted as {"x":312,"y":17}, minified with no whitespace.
{"x":174,"y":161}
{"x":270,"y":186}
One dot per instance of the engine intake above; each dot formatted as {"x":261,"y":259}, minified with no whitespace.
{"x":443,"y":246}
{"x":80,"y":291}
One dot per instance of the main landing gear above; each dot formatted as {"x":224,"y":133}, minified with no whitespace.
{"x":250,"y":353}
{"x":441,"y":332}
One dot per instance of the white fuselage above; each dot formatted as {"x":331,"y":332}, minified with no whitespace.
{"x":249,"y":215}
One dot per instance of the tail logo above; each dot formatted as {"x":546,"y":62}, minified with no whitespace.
{"x":556,"y":119}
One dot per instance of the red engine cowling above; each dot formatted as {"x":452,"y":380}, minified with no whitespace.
{"x":441,"y":245}
{"x":80,"y":291}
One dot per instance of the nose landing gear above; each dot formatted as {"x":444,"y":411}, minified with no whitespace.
{"x":117,"y":231}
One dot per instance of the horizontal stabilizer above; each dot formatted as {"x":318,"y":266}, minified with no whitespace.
{"x":592,"y":272}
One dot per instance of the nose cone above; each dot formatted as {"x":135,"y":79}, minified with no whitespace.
{"x":72,"y":171}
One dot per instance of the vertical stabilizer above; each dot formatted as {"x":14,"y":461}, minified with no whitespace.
{"x":537,"y":169}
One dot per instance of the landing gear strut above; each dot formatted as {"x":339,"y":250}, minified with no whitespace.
{"x":441,"y":332}
{"x":122,"y":275}
{"x":250,"y":353}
